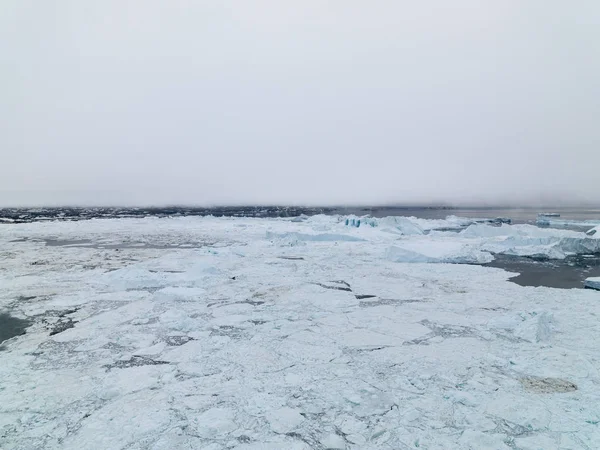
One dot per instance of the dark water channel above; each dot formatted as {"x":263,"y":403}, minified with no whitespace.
{"x":11,"y":326}
{"x":565,"y":274}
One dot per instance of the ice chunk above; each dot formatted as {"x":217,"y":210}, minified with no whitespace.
{"x":291,"y":445}
{"x":559,"y":223}
{"x":353,"y":223}
{"x":594,"y":232}
{"x":333,"y":441}
{"x":431,"y":251}
{"x":402,"y":224}
{"x":135,"y":278}
{"x":521,"y":411}
{"x":141,"y":414}
{"x":284,"y":420}
{"x":484,"y":230}
{"x":323,"y":237}
{"x":476,"y":440}
{"x":449,"y":223}
{"x":151,"y":351}
{"x":455,"y":223}
{"x":539,"y":441}
{"x":592,"y":283}
{"x":214,"y":423}
{"x":529,"y":240}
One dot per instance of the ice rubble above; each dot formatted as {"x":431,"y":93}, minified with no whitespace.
{"x":241,"y":343}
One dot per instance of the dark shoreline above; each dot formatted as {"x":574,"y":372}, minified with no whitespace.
{"x":518,"y":215}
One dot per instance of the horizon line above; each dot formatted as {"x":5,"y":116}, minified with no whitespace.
{"x":303,"y":206}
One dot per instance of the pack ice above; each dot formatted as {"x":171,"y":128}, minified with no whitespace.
{"x":235,"y":333}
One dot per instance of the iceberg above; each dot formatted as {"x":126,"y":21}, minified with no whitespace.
{"x":592,"y":283}
{"x":402,"y":225}
{"x":595,"y":232}
{"x":321,"y":237}
{"x":353,"y":223}
{"x":429,"y":251}
{"x":532,"y":241}
{"x":560,"y":223}
{"x":455,"y":223}
{"x":396,"y":224}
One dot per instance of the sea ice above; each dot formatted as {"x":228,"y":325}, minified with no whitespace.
{"x":284,"y":420}
{"x":592,"y":283}
{"x":594,"y":232}
{"x":241,"y":342}
{"x":214,"y":422}
{"x":324,"y":237}
{"x":528,"y":240}
{"x":430,"y":251}
{"x":333,"y":441}
{"x":400,"y":225}
{"x":561,"y":223}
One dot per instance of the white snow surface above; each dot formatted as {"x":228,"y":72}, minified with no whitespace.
{"x":216,"y":333}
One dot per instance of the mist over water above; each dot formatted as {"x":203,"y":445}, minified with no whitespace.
{"x":299,"y":103}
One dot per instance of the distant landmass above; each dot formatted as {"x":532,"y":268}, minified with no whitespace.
{"x":518,"y":215}
{"x":25,"y":215}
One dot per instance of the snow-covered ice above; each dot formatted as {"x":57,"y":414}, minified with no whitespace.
{"x":529,"y":240}
{"x":595,"y":232}
{"x":552,"y":221}
{"x":593,"y":283}
{"x":428,"y":250}
{"x":214,"y":333}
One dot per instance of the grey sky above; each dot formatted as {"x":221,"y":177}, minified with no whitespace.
{"x":311,"y":101}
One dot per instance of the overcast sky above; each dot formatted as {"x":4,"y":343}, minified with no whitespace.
{"x":299,"y":101}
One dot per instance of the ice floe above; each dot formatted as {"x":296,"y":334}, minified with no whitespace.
{"x":437,"y":251}
{"x":592,"y":283}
